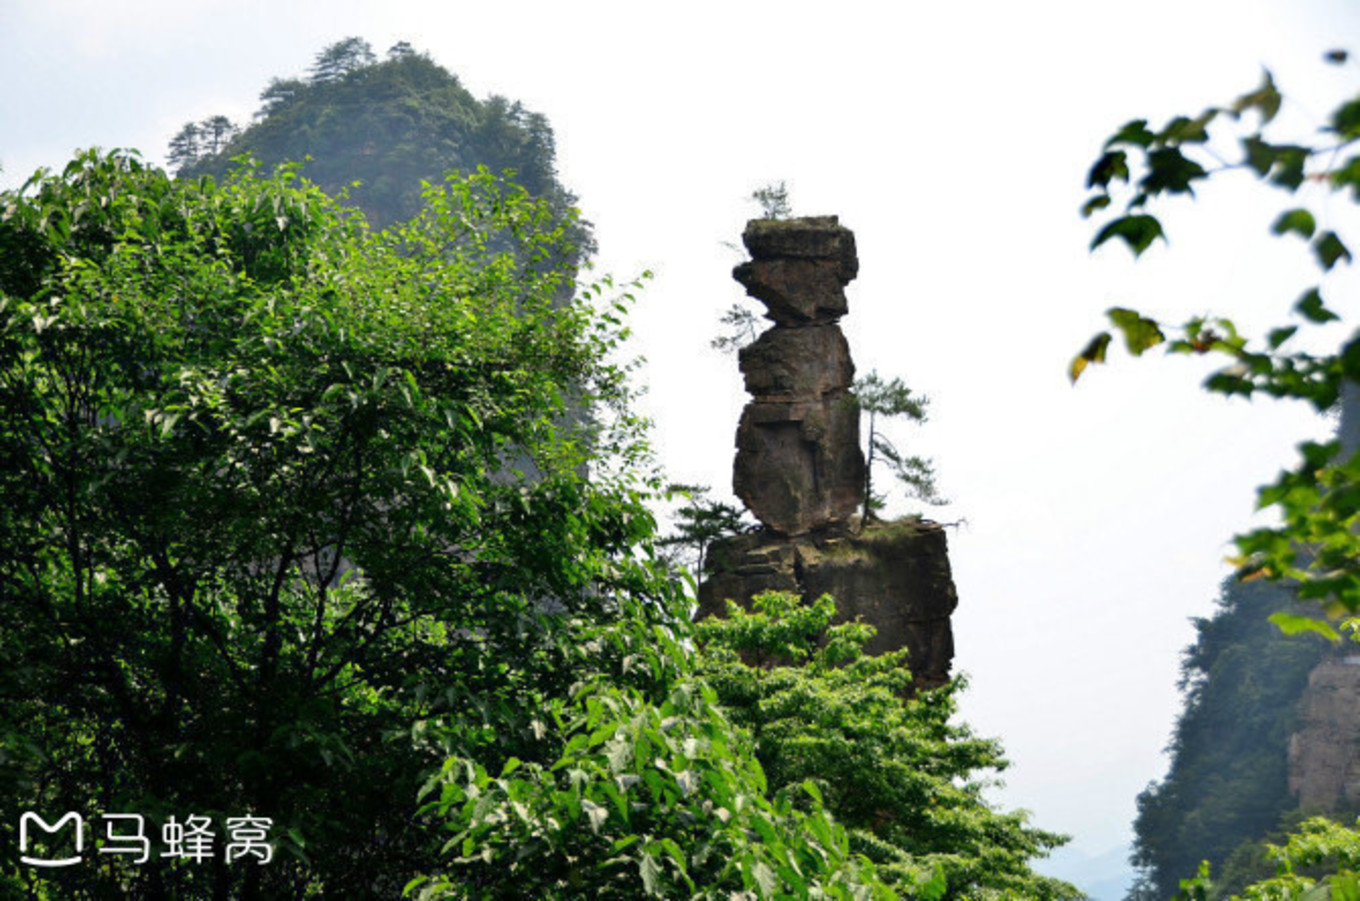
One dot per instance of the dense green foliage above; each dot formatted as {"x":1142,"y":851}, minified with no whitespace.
{"x":259,"y":534}
{"x":655,"y":792}
{"x":1227,"y":785}
{"x":905,"y":781}
{"x":298,"y":516}
{"x":375,"y":129}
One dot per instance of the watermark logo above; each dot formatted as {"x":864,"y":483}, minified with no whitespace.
{"x":29,"y":819}
{"x":193,"y":840}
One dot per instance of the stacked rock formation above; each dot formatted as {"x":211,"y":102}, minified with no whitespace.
{"x":799,"y":466}
{"x":800,"y":470}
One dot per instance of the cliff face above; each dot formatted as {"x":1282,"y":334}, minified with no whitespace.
{"x":800,"y":470}
{"x":1324,"y":754}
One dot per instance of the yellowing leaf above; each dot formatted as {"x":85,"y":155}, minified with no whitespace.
{"x":1094,"y":352}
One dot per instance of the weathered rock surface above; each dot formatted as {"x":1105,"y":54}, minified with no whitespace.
{"x":799,"y":466}
{"x":795,"y":291}
{"x":808,"y":238}
{"x":1324,"y":766}
{"x":895,"y":576}
{"x":791,"y":363}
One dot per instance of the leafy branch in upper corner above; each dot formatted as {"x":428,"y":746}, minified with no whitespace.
{"x":1317,"y":543}
{"x":890,"y":400}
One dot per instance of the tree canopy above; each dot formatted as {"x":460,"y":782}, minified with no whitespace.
{"x":264,"y":525}
{"x":905,"y":781}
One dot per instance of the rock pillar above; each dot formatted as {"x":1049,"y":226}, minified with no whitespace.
{"x":800,"y":470}
{"x":799,"y":466}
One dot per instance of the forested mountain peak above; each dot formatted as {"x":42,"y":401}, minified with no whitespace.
{"x":375,"y":128}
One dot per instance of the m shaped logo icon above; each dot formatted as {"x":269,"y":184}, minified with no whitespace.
{"x":32,"y":819}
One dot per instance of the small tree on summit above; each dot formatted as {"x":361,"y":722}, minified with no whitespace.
{"x":340,"y":59}
{"x":197,"y":140}
{"x":773,"y":198}
{"x":185,"y":147}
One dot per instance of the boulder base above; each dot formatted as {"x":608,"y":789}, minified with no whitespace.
{"x":895,"y":576}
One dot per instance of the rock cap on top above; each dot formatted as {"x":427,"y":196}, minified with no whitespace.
{"x":808,"y":238}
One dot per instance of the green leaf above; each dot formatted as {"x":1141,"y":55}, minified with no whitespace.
{"x":1265,"y":100}
{"x":1140,"y":333}
{"x":1171,"y":172}
{"x":651,"y":873}
{"x":1138,"y":232}
{"x":1282,"y":164}
{"x":1111,"y":165}
{"x":934,"y":888}
{"x":1310,"y":306}
{"x":1099,"y":202}
{"x":1298,"y":221}
{"x":1346,"y":120}
{"x":1280,"y":335}
{"x":1135,"y":132}
{"x":1293,"y":624}
{"x":596,"y":814}
{"x":1336,"y":57}
{"x":1330,"y":250}
{"x":1094,"y":352}
{"x":764,"y":878}
{"x":1183,"y":130}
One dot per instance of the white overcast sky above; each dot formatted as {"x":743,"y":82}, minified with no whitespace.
{"x":953,"y":138}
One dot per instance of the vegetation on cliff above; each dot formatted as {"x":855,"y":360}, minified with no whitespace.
{"x":1227,"y":785}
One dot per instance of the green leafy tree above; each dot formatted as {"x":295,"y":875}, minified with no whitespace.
{"x":1316,"y":544}
{"x":185,"y":147}
{"x":216,"y":132}
{"x":263,"y":545}
{"x":655,"y":792}
{"x":892,"y":400}
{"x":892,"y":768}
